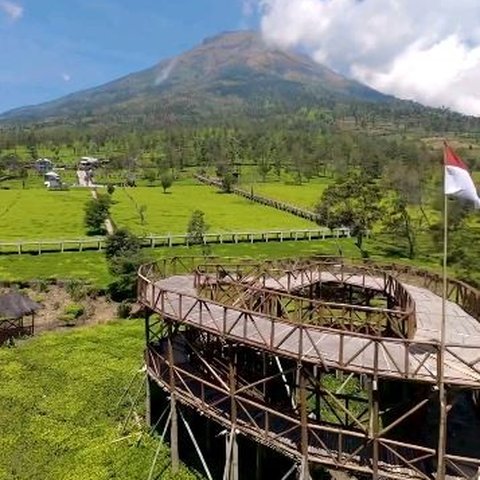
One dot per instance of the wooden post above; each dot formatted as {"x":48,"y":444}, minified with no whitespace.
{"x":318,"y":384}
{"x":148,"y":402}
{"x":258,"y":462}
{"x":232,"y":455}
{"x":304,"y":474}
{"x":173,"y":407}
{"x":375,"y":414}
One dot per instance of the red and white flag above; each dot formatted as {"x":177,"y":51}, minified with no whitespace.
{"x":458,"y":181}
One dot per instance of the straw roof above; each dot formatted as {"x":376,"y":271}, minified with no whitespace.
{"x":15,"y":305}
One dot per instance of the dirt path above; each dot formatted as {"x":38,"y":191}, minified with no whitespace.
{"x":83,"y":180}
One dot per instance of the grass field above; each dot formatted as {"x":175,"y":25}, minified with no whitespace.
{"x":91,"y":266}
{"x":305,"y":195}
{"x":58,"y":408}
{"x":41,"y":214}
{"x":88,"y":266}
{"x":170,"y":213}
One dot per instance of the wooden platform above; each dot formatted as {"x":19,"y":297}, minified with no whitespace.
{"x":414,"y":359}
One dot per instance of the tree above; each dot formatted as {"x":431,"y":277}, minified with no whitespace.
{"x":150,"y":175}
{"x":142,"y":210}
{"x":228,"y":181}
{"x":353,"y":202}
{"x":196,"y":229}
{"x":124,"y":257}
{"x":167,"y":181}
{"x":264,"y":167}
{"x":97,"y":210}
{"x":32,"y":151}
{"x":23,"y":175}
{"x":399,"y":223}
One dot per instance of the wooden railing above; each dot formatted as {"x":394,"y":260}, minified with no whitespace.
{"x":173,"y":240}
{"x":349,"y":351}
{"x":458,"y":292}
{"x":252,"y":278}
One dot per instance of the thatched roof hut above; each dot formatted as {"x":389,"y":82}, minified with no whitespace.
{"x":14,"y":305}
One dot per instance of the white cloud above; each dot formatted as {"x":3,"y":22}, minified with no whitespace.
{"x":424,"y":50}
{"x":66,"y":77}
{"x":13,"y":10}
{"x":248,"y":7}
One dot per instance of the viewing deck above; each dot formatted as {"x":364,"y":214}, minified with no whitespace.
{"x":275,"y":311}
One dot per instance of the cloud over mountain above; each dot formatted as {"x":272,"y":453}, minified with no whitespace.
{"x":13,"y":10}
{"x":424,"y":50}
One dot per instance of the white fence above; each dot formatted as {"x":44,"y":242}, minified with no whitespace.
{"x":173,"y":240}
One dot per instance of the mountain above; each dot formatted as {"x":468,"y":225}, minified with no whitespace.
{"x":234,"y":73}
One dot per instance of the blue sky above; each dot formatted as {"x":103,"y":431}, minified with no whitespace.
{"x":50,"y":48}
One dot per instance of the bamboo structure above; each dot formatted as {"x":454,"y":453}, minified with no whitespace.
{"x":330,"y":364}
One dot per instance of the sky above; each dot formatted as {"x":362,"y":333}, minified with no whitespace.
{"x":424,"y":50}
{"x":49,"y":48}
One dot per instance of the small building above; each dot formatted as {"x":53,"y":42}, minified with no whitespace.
{"x":52,"y":180}
{"x":17,"y":316}
{"x":43,"y":165}
{"x":88,"y":163}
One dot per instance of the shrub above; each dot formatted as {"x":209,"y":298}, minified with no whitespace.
{"x":97,"y":210}
{"x":197,"y":227}
{"x":124,"y":257}
{"x":72,"y":313}
{"x":124,"y":310}
{"x":77,"y":289}
{"x":166,"y":180}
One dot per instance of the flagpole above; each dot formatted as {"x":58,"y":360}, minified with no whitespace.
{"x":442,"y":431}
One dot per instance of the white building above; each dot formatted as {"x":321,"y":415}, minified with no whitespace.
{"x":43,"y":165}
{"x":52,"y":180}
{"x":87,"y":163}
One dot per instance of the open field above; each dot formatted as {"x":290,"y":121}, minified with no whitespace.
{"x":41,"y":214}
{"x":58,"y":407}
{"x":170,"y":213}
